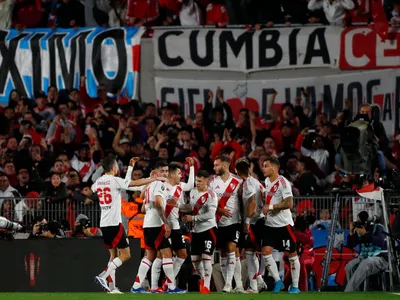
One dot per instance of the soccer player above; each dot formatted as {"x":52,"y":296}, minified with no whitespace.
{"x":174,"y":196}
{"x":278,"y":233}
{"x":227,"y":187}
{"x":108,"y":188}
{"x":156,"y":233}
{"x":203,"y":205}
{"x":253,"y":204}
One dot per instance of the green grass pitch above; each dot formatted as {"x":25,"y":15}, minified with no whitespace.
{"x":196,"y":296}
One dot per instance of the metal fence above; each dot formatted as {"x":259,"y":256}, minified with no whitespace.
{"x":318,"y":209}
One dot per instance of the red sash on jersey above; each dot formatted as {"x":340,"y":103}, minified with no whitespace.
{"x":227,"y":194}
{"x":271,"y":192}
{"x":177,"y":195}
{"x":199,"y":203}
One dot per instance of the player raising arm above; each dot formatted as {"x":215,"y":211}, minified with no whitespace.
{"x":108,"y":188}
{"x":156,"y":233}
{"x":174,"y":189}
{"x":203,"y":204}
{"x":278,"y":230}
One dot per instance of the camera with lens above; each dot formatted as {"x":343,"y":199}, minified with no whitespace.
{"x":43,"y":227}
{"x":358,"y":224}
{"x":83,"y":224}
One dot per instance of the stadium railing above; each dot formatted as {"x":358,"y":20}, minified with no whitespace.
{"x":316,"y":208}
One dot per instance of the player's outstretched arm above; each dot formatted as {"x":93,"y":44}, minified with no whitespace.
{"x":145,"y":181}
{"x":186,"y":187}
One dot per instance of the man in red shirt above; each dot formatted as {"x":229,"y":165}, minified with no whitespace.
{"x":91,"y":103}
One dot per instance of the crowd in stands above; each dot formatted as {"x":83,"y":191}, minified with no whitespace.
{"x":51,"y":146}
{"x":21,"y":14}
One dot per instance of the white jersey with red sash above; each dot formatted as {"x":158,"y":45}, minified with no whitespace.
{"x":152,"y":217}
{"x":228,"y":197}
{"x":252,"y":187}
{"x":276,"y":192}
{"x":172,"y":212}
{"x":204,"y":207}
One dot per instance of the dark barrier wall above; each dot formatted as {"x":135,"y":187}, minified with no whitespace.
{"x":64,"y":265}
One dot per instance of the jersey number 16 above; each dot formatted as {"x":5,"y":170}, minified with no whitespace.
{"x":104,"y":196}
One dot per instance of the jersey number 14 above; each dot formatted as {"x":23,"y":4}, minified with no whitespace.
{"x":104,"y":196}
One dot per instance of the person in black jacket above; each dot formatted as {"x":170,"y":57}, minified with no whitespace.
{"x":70,"y":13}
{"x":214,"y":119}
{"x":56,"y":196}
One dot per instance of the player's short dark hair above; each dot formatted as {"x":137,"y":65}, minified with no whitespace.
{"x":203,"y":174}
{"x":273,"y":161}
{"x":242,"y":166}
{"x":108,"y":163}
{"x":161,"y":164}
{"x":224,"y":159}
{"x":173,"y":167}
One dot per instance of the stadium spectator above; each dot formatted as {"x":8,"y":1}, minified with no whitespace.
{"x":70,"y":13}
{"x":335,"y":10}
{"x":6,"y":190}
{"x":27,"y":208}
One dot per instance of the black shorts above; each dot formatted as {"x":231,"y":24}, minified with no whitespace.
{"x":115,"y":237}
{"x":204,"y":242}
{"x":228,"y":234}
{"x":154,"y":238}
{"x":177,"y":240}
{"x":280,"y":238}
{"x":254,"y":238}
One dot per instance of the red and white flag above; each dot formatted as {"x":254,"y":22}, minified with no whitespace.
{"x":370,"y":192}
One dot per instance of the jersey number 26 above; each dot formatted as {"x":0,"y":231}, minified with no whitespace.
{"x":104,"y":196}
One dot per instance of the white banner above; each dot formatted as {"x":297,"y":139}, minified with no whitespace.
{"x":244,"y":50}
{"x":327,"y":93}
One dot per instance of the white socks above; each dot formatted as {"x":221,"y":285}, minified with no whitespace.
{"x":238,"y":273}
{"x":178,"y":262}
{"x":207,"y":270}
{"x":111,"y":279}
{"x":252,"y":269}
{"x":155,"y":273}
{"x":168,"y":268}
{"x":230,"y":268}
{"x":198,"y":265}
{"x":295,"y":270}
{"x":223,"y":264}
{"x":144,"y":267}
{"x":112,"y":266}
{"x":272,"y":267}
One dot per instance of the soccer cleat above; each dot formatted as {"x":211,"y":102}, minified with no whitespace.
{"x":157,"y":291}
{"x":250,"y":291}
{"x":279,"y":286}
{"x":139,"y":291}
{"x":204,"y":290}
{"x":103,"y":283}
{"x":293,"y":290}
{"x":227,"y":288}
{"x":176,"y":291}
{"x":201,"y":284}
{"x":116,"y":291}
{"x":238,"y":290}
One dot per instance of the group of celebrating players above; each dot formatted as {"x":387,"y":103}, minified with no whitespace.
{"x":223,"y":209}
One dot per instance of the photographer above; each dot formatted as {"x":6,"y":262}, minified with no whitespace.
{"x":42,"y":229}
{"x":372,"y":258}
{"x":83,"y":228}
